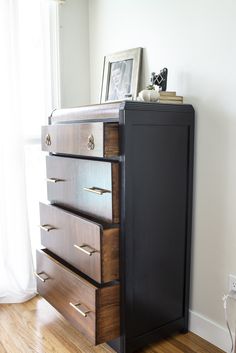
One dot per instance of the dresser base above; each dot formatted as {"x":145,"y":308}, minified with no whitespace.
{"x":116,"y":345}
{"x":120,"y":345}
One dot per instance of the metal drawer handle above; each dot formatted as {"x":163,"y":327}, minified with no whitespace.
{"x":54,"y":180}
{"x":90,"y":144}
{"x":97,"y":191}
{"x":47,"y":140}
{"x":84,"y":313}
{"x":47,"y":227}
{"x":42,"y":276}
{"x":86,"y":249}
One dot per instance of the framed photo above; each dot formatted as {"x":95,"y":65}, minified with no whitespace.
{"x":121,"y":75}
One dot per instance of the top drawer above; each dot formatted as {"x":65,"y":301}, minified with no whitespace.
{"x":84,"y":139}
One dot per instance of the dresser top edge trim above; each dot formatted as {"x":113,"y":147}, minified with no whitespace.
{"x":110,"y":112}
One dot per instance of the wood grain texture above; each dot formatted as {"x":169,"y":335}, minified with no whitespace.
{"x":116,"y":192}
{"x":111,"y":111}
{"x":187,"y":343}
{"x":91,"y":112}
{"x":111,"y":140}
{"x":36,"y":327}
{"x":110,"y":254}
{"x":71,"y":229}
{"x":73,"y":139}
{"x":77,"y":174}
{"x":108,"y":319}
{"x":64,"y":287}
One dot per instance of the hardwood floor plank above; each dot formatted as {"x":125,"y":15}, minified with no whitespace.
{"x":192,"y":340}
{"x":185,"y":347}
{"x":36,"y":327}
{"x":2,"y":349}
{"x":165,"y":346}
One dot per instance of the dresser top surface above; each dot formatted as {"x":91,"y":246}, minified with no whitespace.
{"x":111,"y":111}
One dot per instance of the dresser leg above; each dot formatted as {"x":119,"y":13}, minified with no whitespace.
{"x":116,"y":345}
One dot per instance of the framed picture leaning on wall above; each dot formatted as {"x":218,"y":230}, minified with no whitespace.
{"x":121,"y":75}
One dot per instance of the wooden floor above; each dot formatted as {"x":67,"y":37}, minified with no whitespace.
{"x":36,"y":327}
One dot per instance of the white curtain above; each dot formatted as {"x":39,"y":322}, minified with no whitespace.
{"x":25,"y":103}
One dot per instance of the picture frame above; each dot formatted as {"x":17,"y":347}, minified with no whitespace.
{"x":121,"y":73}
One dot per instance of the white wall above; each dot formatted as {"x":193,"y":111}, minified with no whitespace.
{"x":195,"y":40}
{"x":74,"y":53}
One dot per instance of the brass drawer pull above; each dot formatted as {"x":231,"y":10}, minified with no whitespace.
{"x":42,"y":276}
{"x":90,"y":144}
{"x":86,"y":249}
{"x":47,"y":140}
{"x":54,"y":180}
{"x":84,"y":313}
{"x":47,"y":227}
{"x":97,"y":191}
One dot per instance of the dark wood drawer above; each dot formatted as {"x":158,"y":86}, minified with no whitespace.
{"x":88,"y":246}
{"x":92,"y":310}
{"x":91,"y":187}
{"x":85,"y":139}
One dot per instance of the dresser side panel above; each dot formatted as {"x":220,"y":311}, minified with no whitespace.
{"x":156,"y":225}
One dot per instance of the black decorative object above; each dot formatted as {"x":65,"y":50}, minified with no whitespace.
{"x":160,"y":79}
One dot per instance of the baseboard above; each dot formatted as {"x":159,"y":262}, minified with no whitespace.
{"x":209,"y":330}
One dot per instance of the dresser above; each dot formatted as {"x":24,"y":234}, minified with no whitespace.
{"x":116,"y":230}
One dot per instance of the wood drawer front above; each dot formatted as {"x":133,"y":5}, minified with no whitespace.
{"x":85,"y":139}
{"x":70,"y":181}
{"x":82,"y":243}
{"x":62,"y":288}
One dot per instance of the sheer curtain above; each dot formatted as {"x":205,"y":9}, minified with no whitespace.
{"x":25,"y":103}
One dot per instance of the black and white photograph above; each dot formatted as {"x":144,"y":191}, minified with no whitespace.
{"x":120,"y":79}
{"x":121,"y":71}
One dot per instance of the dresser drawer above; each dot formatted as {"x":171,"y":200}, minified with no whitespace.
{"x":85,"y":139}
{"x":86,"y":245}
{"x":92,"y":310}
{"x":91,"y":187}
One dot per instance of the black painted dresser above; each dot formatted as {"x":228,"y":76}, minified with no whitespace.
{"x":116,"y":232}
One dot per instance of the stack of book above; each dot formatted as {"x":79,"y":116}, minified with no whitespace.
{"x":170,"y":98}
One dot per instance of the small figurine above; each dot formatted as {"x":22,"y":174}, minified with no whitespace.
{"x":160,"y":79}
{"x":149,"y":94}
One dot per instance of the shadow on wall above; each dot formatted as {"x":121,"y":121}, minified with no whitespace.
{"x":213,"y":218}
